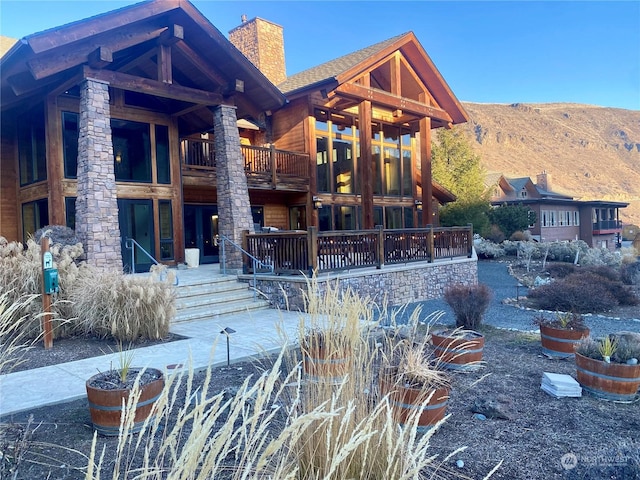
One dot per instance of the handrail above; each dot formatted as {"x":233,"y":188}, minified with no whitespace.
{"x":129,"y":244}
{"x":256,"y":262}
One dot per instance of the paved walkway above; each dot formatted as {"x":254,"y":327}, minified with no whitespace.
{"x":255,"y":332}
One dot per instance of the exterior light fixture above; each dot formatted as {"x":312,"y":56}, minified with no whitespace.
{"x":227,"y":332}
{"x":118,"y":157}
{"x":317,"y":203}
{"x":418,"y":205}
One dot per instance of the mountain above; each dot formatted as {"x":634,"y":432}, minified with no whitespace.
{"x":591,"y":153}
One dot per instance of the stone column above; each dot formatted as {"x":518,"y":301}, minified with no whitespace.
{"x":234,"y":208}
{"x":96,"y":204}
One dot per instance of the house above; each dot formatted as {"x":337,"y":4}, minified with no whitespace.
{"x":558,"y":216}
{"x":148,"y":131}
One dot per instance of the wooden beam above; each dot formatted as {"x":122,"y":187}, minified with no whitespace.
{"x":165,"y":67}
{"x":100,"y":57}
{"x":392,"y":101}
{"x":396,"y":80}
{"x":172,"y":35}
{"x":425,"y":162}
{"x":153,"y":87}
{"x":52,"y":64}
{"x":197,"y":61}
{"x":367,"y":175}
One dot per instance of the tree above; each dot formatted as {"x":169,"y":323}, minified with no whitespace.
{"x":512,"y":218}
{"x":456,"y":167}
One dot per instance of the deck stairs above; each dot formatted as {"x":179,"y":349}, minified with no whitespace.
{"x":214,"y":295}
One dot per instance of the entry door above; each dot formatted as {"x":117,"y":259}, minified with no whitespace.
{"x":136,"y":222}
{"x":201,"y":231}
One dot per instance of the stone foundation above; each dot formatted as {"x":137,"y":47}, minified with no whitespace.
{"x":399,"y":284}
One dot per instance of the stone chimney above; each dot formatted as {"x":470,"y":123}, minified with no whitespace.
{"x":262,"y":42}
{"x":543,"y":181}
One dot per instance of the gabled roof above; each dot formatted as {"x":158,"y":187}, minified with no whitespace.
{"x":331,"y":70}
{"x":202,"y":58}
{"x":336,"y":72}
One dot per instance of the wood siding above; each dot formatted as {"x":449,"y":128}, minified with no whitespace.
{"x":9,"y":220}
{"x":288,"y":127}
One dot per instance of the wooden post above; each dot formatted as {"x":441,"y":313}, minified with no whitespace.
{"x":431,"y":243}
{"x":273,"y":165}
{"x":46,"y":299}
{"x":470,"y":240}
{"x":380,"y":246}
{"x":312,"y":249}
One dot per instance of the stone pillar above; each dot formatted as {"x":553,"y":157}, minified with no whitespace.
{"x":96,"y":204}
{"x":234,"y":208}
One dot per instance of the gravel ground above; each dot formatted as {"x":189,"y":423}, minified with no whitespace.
{"x":500,"y":315}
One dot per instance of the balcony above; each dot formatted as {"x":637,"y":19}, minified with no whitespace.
{"x":604,"y":227}
{"x":266,"y":167}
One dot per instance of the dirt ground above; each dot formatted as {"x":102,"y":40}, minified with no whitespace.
{"x":595,"y":439}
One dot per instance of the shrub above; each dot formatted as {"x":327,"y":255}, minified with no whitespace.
{"x":487,"y":249}
{"x":601,"y":256}
{"x":126,"y":307}
{"x":630,"y":273}
{"x":561,"y":270}
{"x":21,"y":274}
{"x":495,"y":234}
{"x":469,"y":303}
{"x":583,"y":292}
{"x":521,"y":236}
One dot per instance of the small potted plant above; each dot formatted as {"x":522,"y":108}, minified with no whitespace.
{"x":462,"y":348}
{"x":416,"y":386}
{"x":608,"y":368}
{"x":559,"y":335}
{"x":110,"y":394}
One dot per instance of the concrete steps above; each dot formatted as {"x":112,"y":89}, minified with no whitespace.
{"x":208,"y":298}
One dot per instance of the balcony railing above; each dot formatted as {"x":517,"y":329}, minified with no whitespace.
{"x":303,"y":252}
{"x":607,"y":225}
{"x":267,"y":163}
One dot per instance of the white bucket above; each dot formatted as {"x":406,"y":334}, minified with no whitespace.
{"x":192,"y":257}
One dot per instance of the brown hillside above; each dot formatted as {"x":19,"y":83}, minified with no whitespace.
{"x":592,"y":153}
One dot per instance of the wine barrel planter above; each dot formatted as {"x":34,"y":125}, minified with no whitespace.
{"x":321,"y":364}
{"x":560,"y":342}
{"x":405,"y":401}
{"x":106,"y":406}
{"x":608,"y":381}
{"x":461,"y":351}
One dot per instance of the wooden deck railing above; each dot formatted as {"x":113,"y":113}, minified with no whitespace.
{"x":303,"y":252}
{"x":200,"y":155}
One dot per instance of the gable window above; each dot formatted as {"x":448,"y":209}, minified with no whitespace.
{"x":523,"y":193}
{"x":31,"y":146}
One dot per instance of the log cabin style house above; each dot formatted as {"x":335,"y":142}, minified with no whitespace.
{"x":146,"y":123}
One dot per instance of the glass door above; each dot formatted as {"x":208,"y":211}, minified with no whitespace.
{"x":201,"y":231}
{"x":136,"y":222}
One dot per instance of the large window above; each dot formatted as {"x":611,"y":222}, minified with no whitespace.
{"x":322,"y":164}
{"x":32,"y":146}
{"x":35,"y":215}
{"x":131,"y":150}
{"x":70,"y":211}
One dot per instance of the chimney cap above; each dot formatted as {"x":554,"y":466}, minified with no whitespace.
{"x":243,"y":18}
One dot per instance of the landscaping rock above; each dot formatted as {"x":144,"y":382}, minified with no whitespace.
{"x":58,"y":234}
{"x":493,"y":407}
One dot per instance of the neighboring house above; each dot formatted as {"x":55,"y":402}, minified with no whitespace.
{"x":147,"y":123}
{"x":559,"y":216}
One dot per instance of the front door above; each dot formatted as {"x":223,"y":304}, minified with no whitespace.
{"x":136,"y":222}
{"x":201,"y":231}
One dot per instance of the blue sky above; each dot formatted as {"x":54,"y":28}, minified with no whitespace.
{"x":490,"y":52}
